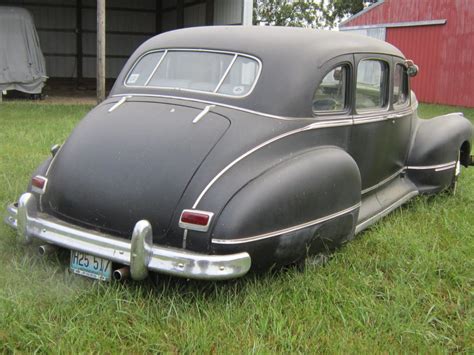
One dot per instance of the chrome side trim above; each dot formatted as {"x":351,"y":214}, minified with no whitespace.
{"x":285,"y":230}
{"x":361,"y":226}
{"x":203,"y":113}
{"x":365,"y":118}
{"x":438,"y":167}
{"x":447,"y":168}
{"x":139,"y":253}
{"x":313,"y":126}
{"x":383,"y":182}
{"x":216,"y":104}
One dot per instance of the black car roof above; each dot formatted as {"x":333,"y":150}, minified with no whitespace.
{"x":291,"y":58}
{"x":262,"y":40}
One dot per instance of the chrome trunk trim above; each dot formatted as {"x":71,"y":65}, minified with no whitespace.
{"x":203,"y":113}
{"x":139,"y":253}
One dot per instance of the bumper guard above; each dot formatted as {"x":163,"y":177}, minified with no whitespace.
{"x":140,"y":253}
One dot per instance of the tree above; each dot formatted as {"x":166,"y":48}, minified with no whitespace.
{"x":306,"y":13}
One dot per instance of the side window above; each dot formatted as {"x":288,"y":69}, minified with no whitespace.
{"x":372,"y":85}
{"x":330,"y":96}
{"x":400,"y":86}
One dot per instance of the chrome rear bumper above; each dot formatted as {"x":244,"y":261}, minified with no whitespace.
{"x":140,"y":253}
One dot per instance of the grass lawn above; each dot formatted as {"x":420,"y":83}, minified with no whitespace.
{"x":405,"y":285}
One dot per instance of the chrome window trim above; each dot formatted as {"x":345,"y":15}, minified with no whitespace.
{"x":285,"y":230}
{"x":347,"y":104}
{"x":219,"y":84}
{"x":257,"y":77}
{"x":154,"y":69}
{"x":404,"y":105}
{"x":382,"y":109}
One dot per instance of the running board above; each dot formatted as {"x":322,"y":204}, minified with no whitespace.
{"x":360,"y":227}
{"x":380,"y":203}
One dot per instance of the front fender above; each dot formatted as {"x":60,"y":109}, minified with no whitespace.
{"x":435,"y":151}
{"x":282,"y":206}
{"x":438,"y":140}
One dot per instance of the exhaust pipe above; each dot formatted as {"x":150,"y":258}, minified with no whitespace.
{"x":122,"y":274}
{"x":47,"y":249}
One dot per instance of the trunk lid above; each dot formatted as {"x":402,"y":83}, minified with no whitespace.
{"x":130,"y":164}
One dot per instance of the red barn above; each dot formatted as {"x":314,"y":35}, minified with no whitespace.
{"x":437,"y":34}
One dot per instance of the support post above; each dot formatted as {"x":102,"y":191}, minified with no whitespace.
{"x":79,"y":55}
{"x":209,"y":12}
{"x":100,"y":50}
{"x":158,"y":15}
{"x":180,"y":14}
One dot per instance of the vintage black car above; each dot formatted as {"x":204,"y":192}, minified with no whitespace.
{"x":225,"y":148}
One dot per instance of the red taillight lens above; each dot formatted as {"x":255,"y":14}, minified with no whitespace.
{"x":195,"y":220}
{"x":199,"y":219}
{"x":38,"y":182}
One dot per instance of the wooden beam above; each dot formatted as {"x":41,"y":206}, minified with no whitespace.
{"x":100,"y":50}
{"x":180,"y":14}
{"x":158,"y":17}
{"x":79,"y":40}
{"x":209,"y":12}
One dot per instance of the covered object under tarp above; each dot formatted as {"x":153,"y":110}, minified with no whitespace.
{"x":22,"y":65}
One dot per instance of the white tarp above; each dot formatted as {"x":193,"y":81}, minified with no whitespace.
{"x":22,"y":64}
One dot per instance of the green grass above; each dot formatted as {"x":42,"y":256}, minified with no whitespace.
{"x":405,"y":285}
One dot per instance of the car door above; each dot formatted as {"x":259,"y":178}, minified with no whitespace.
{"x":370,"y":143}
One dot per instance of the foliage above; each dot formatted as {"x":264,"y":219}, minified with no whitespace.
{"x":404,"y":286}
{"x":306,"y":13}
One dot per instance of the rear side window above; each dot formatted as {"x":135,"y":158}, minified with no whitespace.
{"x":400,"y":86}
{"x":330,"y":96}
{"x":372,"y":85}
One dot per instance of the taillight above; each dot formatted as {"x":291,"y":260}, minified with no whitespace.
{"x":38,"y":184}
{"x":195,"y":220}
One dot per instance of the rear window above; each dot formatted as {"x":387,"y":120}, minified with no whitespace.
{"x":222,"y":73}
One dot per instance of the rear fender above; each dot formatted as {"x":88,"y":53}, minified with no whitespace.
{"x":274,"y":216}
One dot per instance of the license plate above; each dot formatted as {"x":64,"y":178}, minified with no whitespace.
{"x":91,"y":266}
